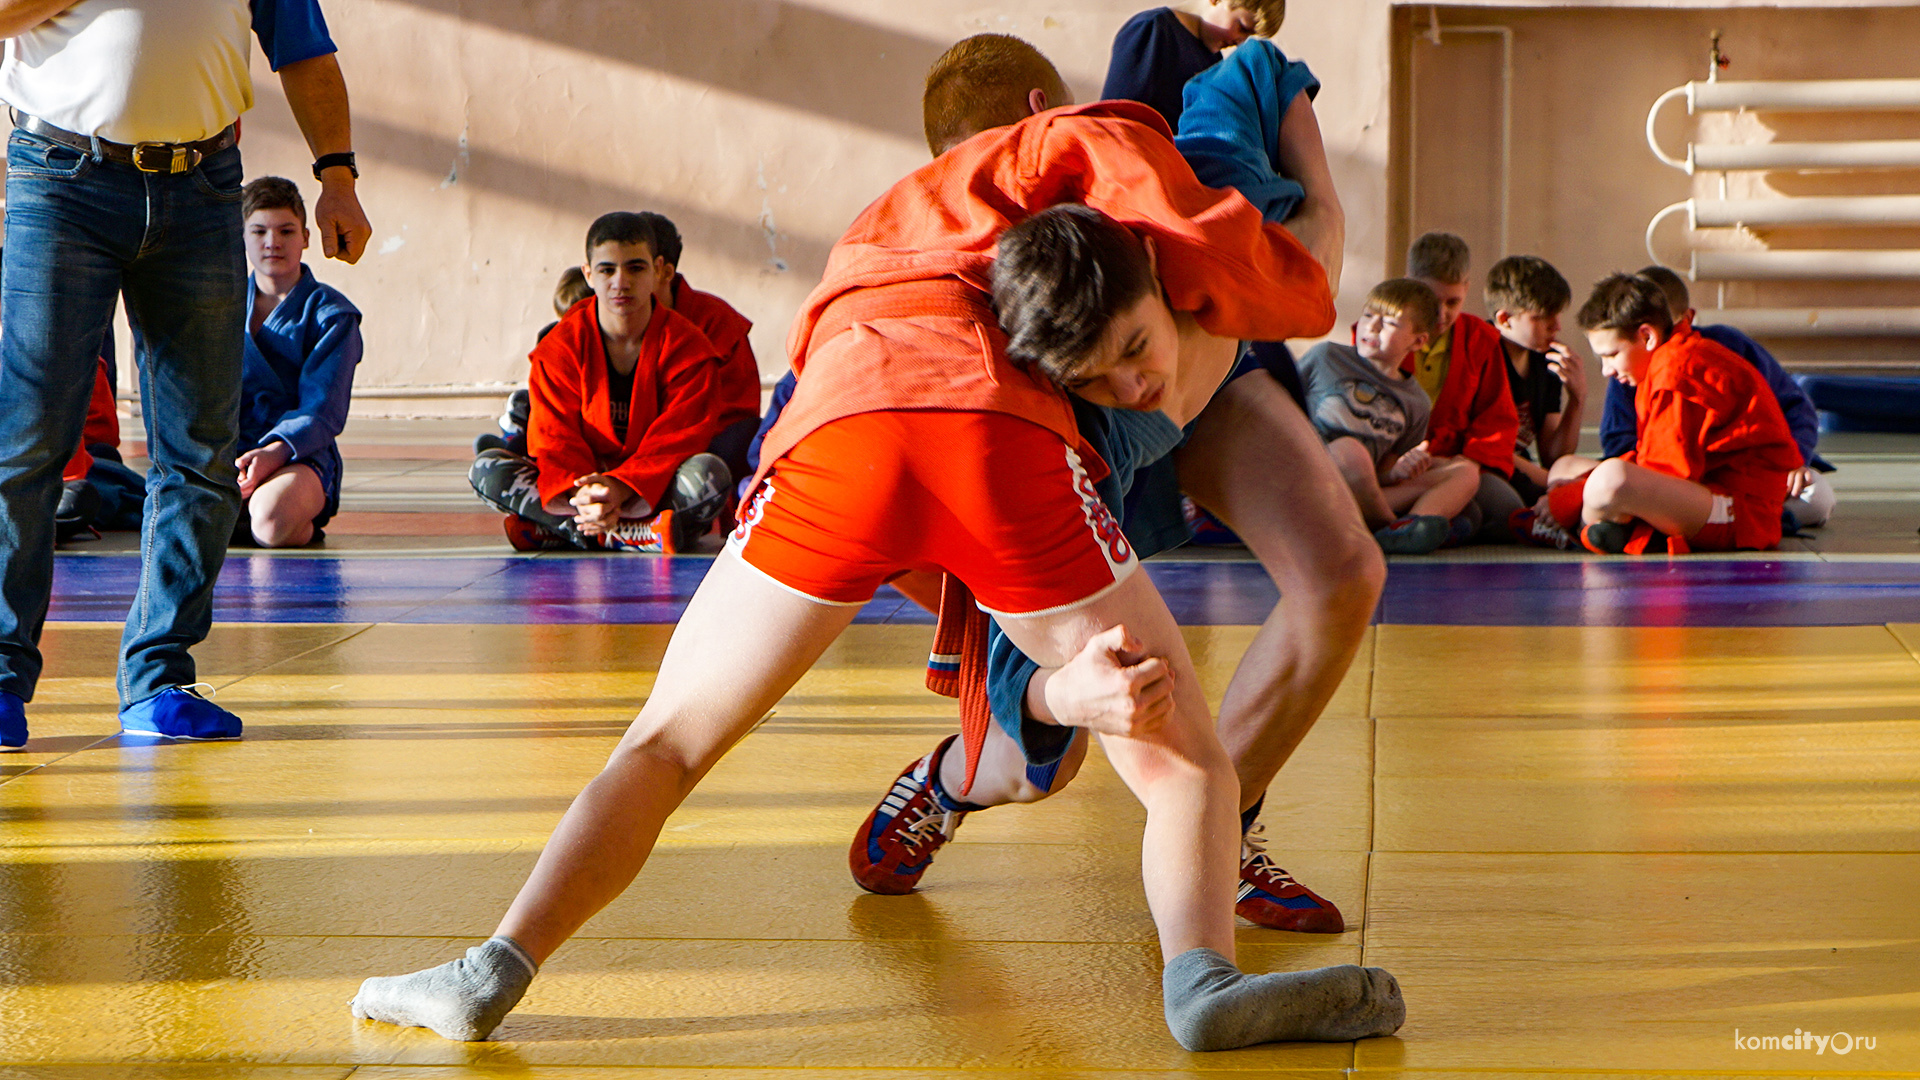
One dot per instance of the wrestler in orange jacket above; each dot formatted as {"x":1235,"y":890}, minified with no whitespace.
{"x":674,"y":413}
{"x":931,"y":237}
{"x":1706,"y":415}
{"x":1474,"y":415}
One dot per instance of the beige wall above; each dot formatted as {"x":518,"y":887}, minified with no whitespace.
{"x":492,"y":131}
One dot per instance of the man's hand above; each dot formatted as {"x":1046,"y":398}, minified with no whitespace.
{"x":1530,"y":469}
{"x":1799,"y":480}
{"x":1411,"y":464}
{"x":317,"y":93}
{"x":1567,"y":364}
{"x":337,"y":216}
{"x":597,"y":502}
{"x":256,"y":465}
{"x":1110,"y":687}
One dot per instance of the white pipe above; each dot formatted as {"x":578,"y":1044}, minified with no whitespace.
{"x":1506,"y":110}
{"x":1815,"y":94}
{"x":1818,"y":322}
{"x":1655,"y":224}
{"x":1653,"y":142}
{"x":1806,"y":266}
{"x":1823,"y":210}
{"x":1879,"y":154}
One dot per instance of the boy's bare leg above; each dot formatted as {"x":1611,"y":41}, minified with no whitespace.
{"x":720,"y":674}
{"x":1190,"y":855}
{"x":1569,"y":468}
{"x":1444,"y":490}
{"x":1002,"y":776}
{"x":1360,"y":474}
{"x":283,"y":507}
{"x":1621,"y":491}
{"x":1256,"y":462}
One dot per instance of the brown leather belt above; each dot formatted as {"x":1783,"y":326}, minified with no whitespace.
{"x":153,"y":157}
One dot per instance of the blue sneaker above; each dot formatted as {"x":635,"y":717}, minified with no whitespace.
{"x":13,"y":722}
{"x":179,"y":712}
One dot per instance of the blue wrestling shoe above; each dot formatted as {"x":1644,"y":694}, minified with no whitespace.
{"x":1268,"y":896}
{"x":179,"y":712}
{"x":13,"y":722}
{"x":897,"y":842}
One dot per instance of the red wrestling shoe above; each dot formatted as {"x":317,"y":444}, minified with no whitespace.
{"x":525,"y":535}
{"x":896,"y":844}
{"x":1270,"y":897}
{"x":1539,"y":530}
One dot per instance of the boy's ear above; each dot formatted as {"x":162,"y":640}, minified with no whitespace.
{"x":1420,"y":341}
{"x":1502,"y":318}
{"x":1650,"y":336}
{"x":1153,"y":256}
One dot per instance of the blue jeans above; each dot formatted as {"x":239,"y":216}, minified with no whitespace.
{"x":81,"y":230}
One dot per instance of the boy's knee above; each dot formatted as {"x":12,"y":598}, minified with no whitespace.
{"x":1348,"y":453}
{"x":1605,"y":484}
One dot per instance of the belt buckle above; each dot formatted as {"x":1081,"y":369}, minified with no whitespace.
{"x":174,"y":159}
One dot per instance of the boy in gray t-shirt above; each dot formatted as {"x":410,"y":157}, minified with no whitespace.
{"x":1373,"y":417}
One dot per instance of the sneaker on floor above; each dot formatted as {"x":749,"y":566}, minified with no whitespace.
{"x":1539,"y":530}
{"x":1416,"y":535}
{"x":179,"y":712}
{"x":896,"y":844}
{"x":1606,"y":537}
{"x":526,"y":535}
{"x":13,"y":722}
{"x":637,"y":536}
{"x":1270,"y":897}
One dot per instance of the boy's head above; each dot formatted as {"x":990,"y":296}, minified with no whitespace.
{"x":1400,"y":315}
{"x":620,"y":267}
{"x":666,"y":254}
{"x":987,"y":81}
{"x":1440,"y":260}
{"x":1077,"y":294}
{"x":1679,"y":301}
{"x":1525,"y":296}
{"x":572,"y":289}
{"x":1242,"y":19}
{"x":1626,"y":318}
{"x":276,"y":229}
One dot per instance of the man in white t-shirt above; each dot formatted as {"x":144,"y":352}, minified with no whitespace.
{"x":123,"y":178}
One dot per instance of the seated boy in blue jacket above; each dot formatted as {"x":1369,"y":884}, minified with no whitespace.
{"x":1810,"y":498}
{"x":303,"y":342}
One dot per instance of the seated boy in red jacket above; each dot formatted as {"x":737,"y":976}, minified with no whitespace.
{"x":623,"y":407}
{"x":1709,"y":470}
{"x":1463,"y":369}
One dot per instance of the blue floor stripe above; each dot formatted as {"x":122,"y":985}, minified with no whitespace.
{"x":641,"y":589}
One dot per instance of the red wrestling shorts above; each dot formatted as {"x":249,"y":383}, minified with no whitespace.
{"x":999,"y":502}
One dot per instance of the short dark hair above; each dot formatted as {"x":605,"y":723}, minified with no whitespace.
{"x":1406,"y":298}
{"x":666,"y":236}
{"x":619,"y":227}
{"x":572,"y":289}
{"x":1678,"y":299}
{"x":1439,"y":256}
{"x":1527,"y":283}
{"x":272,"y":193}
{"x":1059,"y":279}
{"x":1622,"y":302}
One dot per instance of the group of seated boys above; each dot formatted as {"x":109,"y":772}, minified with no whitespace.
{"x":1450,"y":429}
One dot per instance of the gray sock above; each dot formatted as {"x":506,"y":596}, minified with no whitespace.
{"x":462,"y":999}
{"x":1212,"y":1005}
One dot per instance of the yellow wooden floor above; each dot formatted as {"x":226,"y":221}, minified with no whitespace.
{"x":1582,"y":851}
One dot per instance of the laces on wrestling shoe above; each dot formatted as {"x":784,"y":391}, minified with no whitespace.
{"x":1269,"y":896}
{"x":897,"y":842}
{"x":1539,"y":530}
{"x":632,"y":535}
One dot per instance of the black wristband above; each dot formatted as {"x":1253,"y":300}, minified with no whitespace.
{"x":328,"y":161}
